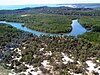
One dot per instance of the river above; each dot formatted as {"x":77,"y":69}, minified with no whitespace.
{"x":76,"y":29}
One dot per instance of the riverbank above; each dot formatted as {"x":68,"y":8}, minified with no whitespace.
{"x":76,"y":29}
{"x":52,"y":19}
{"x":51,"y":23}
{"x":23,"y":53}
{"x":91,"y":23}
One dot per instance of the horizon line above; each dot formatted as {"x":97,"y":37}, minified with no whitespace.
{"x":49,"y":3}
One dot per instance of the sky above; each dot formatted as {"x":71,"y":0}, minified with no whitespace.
{"x":23,"y":2}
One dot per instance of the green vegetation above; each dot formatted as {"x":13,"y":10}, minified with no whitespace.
{"x":7,"y":33}
{"x":49,"y":23}
{"x":43,"y":22}
{"x":90,"y":22}
{"x":3,"y":71}
{"x":91,"y":36}
{"x":4,"y":28}
{"x":80,"y":49}
{"x":84,"y":47}
{"x":53,"y":19}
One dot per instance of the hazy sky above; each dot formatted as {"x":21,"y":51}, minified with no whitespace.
{"x":20,"y":2}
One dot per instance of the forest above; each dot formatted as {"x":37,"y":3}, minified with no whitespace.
{"x":24,"y":52}
{"x":48,"y":19}
{"x":30,"y":45}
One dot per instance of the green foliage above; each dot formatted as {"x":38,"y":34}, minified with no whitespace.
{"x":7,"y":28}
{"x":91,"y":36}
{"x":43,"y":22}
{"x":96,"y":29}
{"x":90,"y":22}
{"x":84,"y":47}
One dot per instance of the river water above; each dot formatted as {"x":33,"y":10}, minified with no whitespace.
{"x":76,"y":29}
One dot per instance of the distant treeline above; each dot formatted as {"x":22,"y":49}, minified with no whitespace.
{"x":55,"y":10}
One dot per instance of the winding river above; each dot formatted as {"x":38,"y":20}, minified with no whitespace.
{"x":76,"y":29}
